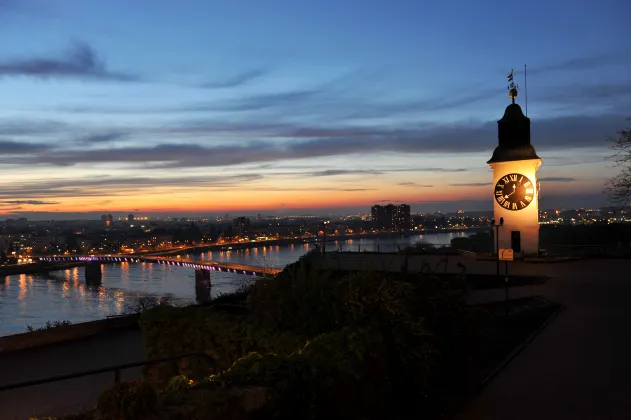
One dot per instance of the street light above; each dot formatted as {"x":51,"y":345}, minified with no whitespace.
{"x":497,"y":241}
{"x":326,"y":222}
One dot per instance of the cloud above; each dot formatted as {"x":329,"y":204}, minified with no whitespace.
{"x":471,"y":184}
{"x":26,"y":127}
{"x":214,"y":150}
{"x":105,"y":186}
{"x":271,"y":188}
{"x":237,"y":80}
{"x":582,"y":63}
{"x":414,"y":185}
{"x":335,"y":172}
{"x":557,"y":179}
{"x":104,"y":137}
{"x":578,"y":95}
{"x":327,"y":95}
{"x":9,"y":147}
{"x":27,"y":202}
{"x":81,"y":61}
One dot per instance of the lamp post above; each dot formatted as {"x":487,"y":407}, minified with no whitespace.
{"x":497,"y":241}
{"x":326,"y":222}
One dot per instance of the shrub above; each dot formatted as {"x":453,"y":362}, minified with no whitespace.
{"x":221,"y":334}
{"x":142,"y":303}
{"x":88,"y":415}
{"x":48,"y":326}
{"x":358,"y":345}
{"x":179,"y":384}
{"x":129,"y":400}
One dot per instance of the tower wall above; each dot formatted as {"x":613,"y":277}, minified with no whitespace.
{"x":525,"y":221}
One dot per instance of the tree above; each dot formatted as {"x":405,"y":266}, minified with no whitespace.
{"x":619,"y":187}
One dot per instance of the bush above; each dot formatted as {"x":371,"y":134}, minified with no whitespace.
{"x":88,"y":415}
{"x":142,"y":303}
{"x":48,"y":326}
{"x":221,"y":334}
{"x":362,"y":345}
{"x":129,"y":400}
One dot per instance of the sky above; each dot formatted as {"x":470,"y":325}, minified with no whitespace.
{"x":294,"y":106}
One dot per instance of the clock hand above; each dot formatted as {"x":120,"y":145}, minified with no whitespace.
{"x":514,"y":190}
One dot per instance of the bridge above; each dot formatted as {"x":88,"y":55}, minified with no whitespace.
{"x":179,"y":262}
{"x":93,"y":271}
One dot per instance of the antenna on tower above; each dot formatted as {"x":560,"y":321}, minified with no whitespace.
{"x":526,"y":88}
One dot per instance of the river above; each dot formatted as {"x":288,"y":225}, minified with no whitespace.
{"x":63,"y":295}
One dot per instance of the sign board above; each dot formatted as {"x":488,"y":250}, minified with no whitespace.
{"x":506,"y":255}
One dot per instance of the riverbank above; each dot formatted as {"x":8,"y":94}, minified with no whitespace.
{"x":37,"y":268}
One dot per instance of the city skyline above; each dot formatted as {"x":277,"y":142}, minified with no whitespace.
{"x":247,"y":107}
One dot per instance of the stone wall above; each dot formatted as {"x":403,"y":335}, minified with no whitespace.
{"x":65,"y":333}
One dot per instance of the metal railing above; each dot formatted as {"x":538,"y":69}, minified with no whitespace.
{"x":116,"y":369}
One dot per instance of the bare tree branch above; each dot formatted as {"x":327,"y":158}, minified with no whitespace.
{"x":619,"y":187}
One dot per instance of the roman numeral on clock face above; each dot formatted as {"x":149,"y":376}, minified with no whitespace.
{"x":514,"y":191}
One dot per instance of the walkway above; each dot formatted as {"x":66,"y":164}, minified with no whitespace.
{"x":74,"y":394}
{"x":579,"y":367}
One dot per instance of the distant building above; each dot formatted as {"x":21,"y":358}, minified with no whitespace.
{"x":130,"y":218}
{"x":107,"y":219}
{"x":241,"y":226}
{"x":391,"y":216}
{"x":403,"y":219}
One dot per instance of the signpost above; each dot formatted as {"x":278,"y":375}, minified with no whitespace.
{"x":506,"y":255}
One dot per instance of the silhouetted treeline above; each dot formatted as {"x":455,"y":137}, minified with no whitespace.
{"x":615,"y":234}
{"x":560,"y":239}
{"x":478,"y":242}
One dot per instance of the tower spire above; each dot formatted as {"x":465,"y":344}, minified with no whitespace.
{"x":512,"y":87}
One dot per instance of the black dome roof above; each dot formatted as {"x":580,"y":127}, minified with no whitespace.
{"x":513,"y":134}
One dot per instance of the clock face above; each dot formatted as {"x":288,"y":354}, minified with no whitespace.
{"x":514,"y":192}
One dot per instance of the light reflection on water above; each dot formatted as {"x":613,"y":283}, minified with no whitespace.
{"x":63,"y":295}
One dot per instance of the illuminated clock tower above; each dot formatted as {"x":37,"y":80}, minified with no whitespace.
{"x":515,"y":185}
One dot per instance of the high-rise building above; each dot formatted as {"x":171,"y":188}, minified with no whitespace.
{"x":241,"y":226}
{"x":403,"y":219}
{"x":107,"y":219}
{"x":130,"y":218}
{"x":391,"y":216}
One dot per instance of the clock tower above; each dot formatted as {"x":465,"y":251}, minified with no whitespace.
{"x":515,"y":184}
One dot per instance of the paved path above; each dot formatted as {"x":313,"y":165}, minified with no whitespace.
{"x":579,"y":367}
{"x":70,"y":395}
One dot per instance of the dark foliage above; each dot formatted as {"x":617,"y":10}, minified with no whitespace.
{"x":619,"y":187}
{"x":48,"y":326}
{"x":129,"y":400}
{"x":376,"y":345}
{"x":583,"y":239}
{"x":480,"y":242}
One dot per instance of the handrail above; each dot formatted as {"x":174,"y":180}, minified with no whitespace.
{"x":116,"y":369}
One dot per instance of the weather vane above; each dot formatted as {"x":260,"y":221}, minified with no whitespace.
{"x":512,"y":87}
